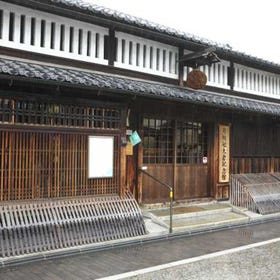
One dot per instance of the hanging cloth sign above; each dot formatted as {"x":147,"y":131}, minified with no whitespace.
{"x":134,"y":138}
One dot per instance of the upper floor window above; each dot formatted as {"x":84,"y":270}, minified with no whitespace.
{"x":61,"y":115}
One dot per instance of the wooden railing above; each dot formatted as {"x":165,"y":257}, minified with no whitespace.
{"x":136,"y":53}
{"x":31,"y":30}
{"x":256,"y":82}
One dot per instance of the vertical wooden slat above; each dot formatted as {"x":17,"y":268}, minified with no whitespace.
{"x":49,"y":151}
{"x":2,"y":135}
{"x":41,"y":164}
{"x":31,"y":158}
{"x":10,"y":147}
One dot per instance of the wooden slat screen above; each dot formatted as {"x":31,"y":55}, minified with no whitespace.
{"x":49,"y":164}
{"x":254,"y":165}
{"x":58,"y":115}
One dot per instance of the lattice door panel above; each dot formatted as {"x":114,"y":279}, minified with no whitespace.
{"x":44,"y":165}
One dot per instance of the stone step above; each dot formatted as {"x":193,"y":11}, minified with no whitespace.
{"x":180,"y":212}
{"x":208,"y":221}
{"x":195,"y":217}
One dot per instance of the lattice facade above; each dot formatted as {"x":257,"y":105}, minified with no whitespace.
{"x":42,"y":155}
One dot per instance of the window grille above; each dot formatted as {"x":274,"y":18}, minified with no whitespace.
{"x":158,"y":141}
{"x":61,"y":115}
{"x":191,"y":142}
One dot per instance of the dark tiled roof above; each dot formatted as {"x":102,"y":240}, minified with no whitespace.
{"x":131,"y":86}
{"x":97,"y":10}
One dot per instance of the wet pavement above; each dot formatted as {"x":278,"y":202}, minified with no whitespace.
{"x":119,"y":260}
{"x":259,"y":262}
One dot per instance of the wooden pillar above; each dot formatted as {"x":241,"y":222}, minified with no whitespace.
{"x":210,"y":159}
{"x":123,"y":153}
{"x":140,"y":175}
{"x":215,"y":161}
{"x":174,"y":159}
{"x":272,"y":165}
{"x":231,"y":75}
{"x":181,"y":67}
{"x":112,"y":47}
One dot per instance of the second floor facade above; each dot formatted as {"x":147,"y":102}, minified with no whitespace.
{"x":150,"y":52}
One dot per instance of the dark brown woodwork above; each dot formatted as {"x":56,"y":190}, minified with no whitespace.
{"x":112,"y":47}
{"x":231,"y":75}
{"x":140,"y":174}
{"x":181,"y":67}
{"x":255,"y":165}
{"x":215,"y":161}
{"x":49,"y":165}
{"x":192,"y":181}
{"x":153,"y":191}
{"x":44,"y":149}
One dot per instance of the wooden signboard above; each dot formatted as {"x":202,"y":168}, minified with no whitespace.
{"x":224,"y":134}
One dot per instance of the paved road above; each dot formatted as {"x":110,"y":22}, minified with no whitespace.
{"x":260,"y":262}
{"x":100,"y":264}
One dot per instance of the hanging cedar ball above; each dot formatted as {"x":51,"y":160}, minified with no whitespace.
{"x":196,"y":79}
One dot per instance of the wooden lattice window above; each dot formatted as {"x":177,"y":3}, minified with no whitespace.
{"x":50,"y":164}
{"x":191,"y":142}
{"x":60,"y":115}
{"x":158,"y":141}
{"x":6,"y":110}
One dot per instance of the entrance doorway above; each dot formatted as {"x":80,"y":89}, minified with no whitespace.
{"x":176,"y":153}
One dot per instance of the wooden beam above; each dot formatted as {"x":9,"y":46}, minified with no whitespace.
{"x":181,"y":67}
{"x":112,"y":47}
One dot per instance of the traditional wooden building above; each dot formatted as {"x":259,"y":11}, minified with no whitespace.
{"x":80,"y":84}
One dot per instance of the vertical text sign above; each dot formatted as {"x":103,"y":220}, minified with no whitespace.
{"x":224,"y":134}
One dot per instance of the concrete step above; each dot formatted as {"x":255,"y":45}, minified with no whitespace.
{"x":208,"y":221}
{"x":194,"y":217}
{"x":180,"y":212}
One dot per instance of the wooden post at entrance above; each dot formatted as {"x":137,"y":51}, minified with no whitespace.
{"x":139,"y":175}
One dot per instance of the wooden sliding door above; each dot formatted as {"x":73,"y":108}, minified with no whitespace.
{"x":173,"y":152}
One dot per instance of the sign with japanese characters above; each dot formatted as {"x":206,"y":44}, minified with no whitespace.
{"x":224,"y":134}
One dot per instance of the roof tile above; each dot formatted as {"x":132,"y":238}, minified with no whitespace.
{"x":127,"y":85}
